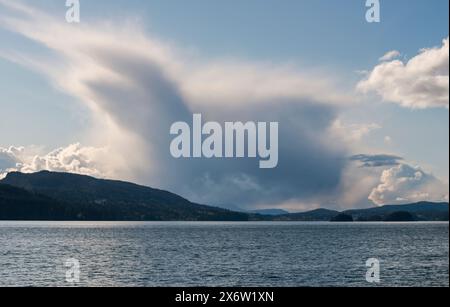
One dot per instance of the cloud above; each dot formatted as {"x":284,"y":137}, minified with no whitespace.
{"x":376,"y":160}
{"x":390,"y":56}
{"x":8,"y":159}
{"x":356,"y":184}
{"x":73,"y":159}
{"x":136,"y":86}
{"x":382,"y":179}
{"x":422,"y":82}
{"x":404,"y":183}
{"x":352,"y":133}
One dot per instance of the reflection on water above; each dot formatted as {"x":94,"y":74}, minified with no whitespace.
{"x":223,"y":254}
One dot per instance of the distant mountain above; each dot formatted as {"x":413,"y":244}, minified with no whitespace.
{"x":230,"y":207}
{"x":76,"y":197}
{"x":400,"y":216}
{"x":272,"y":212}
{"x":319,"y":215}
{"x":269,"y":212}
{"x":61,"y":196}
{"x":422,"y":211}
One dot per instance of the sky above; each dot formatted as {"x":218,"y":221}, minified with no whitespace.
{"x":363,"y":107}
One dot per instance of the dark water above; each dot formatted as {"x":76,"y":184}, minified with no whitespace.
{"x":223,"y":254}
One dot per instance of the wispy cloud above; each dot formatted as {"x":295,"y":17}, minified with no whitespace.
{"x":376,"y":160}
{"x":390,"y":56}
{"x":352,"y":133}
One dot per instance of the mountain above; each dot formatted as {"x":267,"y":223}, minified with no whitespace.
{"x":401,"y":216}
{"x":230,"y":207}
{"x":19,"y":204}
{"x":272,"y":212}
{"x":319,"y":215}
{"x":61,"y":196}
{"x":342,"y":217}
{"x":269,"y":212}
{"x":421,"y":211}
{"x":76,"y":197}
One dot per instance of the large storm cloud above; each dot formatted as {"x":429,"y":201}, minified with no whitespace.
{"x":141,"y":86}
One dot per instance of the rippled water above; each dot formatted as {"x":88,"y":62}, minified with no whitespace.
{"x":223,"y":254}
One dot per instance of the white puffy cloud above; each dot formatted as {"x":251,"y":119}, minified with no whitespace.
{"x":9,"y":159}
{"x":382,"y":179}
{"x":404,"y":183}
{"x":73,"y":159}
{"x":422,"y":82}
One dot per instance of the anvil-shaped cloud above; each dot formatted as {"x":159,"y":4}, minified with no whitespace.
{"x":142,"y":86}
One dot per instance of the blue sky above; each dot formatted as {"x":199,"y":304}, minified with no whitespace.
{"x":323,"y":36}
{"x":299,"y":30}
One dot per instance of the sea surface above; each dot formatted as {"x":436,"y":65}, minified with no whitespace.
{"x":222,"y":254}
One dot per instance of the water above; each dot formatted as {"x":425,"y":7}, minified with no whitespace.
{"x":223,"y":254}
